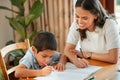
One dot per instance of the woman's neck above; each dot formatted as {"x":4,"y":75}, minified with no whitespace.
{"x":92,"y":28}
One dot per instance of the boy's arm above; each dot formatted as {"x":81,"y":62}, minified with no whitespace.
{"x":63,"y":59}
{"x":22,"y":71}
{"x":60,"y":66}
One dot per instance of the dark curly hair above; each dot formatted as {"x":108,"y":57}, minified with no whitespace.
{"x":94,"y":7}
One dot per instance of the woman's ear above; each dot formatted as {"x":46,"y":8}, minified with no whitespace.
{"x":34,"y":49}
{"x":96,"y":16}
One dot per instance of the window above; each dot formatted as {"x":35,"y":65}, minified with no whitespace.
{"x":117,"y":11}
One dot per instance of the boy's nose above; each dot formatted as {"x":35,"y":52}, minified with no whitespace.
{"x":47,"y":60}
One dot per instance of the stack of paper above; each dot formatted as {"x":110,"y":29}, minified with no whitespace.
{"x":71,"y":73}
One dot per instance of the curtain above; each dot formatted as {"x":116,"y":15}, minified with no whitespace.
{"x":108,"y":5}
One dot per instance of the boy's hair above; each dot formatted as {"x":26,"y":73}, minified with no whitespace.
{"x":44,"y":41}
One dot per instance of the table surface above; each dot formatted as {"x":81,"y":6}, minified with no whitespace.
{"x":108,"y":72}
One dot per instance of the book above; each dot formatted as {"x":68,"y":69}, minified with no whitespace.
{"x":71,"y":73}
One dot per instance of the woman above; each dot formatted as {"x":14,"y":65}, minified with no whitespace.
{"x":94,"y":32}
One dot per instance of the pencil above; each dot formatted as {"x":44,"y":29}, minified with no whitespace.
{"x":43,"y":63}
{"x":82,"y":52}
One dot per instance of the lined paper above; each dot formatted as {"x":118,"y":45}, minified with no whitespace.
{"x":71,"y":73}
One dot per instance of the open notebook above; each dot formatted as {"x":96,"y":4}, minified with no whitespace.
{"x":71,"y":73}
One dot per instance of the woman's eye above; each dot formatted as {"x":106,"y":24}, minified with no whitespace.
{"x":85,"y":18}
{"x":76,"y":16}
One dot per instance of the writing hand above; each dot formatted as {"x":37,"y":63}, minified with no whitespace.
{"x":47,"y":70}
{"x":81,"y":63}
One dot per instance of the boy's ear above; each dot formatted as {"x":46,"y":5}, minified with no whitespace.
{"x":34,"y":49}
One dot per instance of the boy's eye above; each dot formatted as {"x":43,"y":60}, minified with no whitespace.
{"x":44,"y":56}
{"x":51,"y":56}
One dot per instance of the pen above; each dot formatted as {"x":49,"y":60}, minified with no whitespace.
{"x":81,"y":52}
{"x":91,"y":78}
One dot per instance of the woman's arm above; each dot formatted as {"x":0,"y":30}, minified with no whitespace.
{"x":68,"y":52}
{"x":73,"y":57}
{"x":111,"y":56}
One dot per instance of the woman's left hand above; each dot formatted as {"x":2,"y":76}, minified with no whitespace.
{"x":59,"y":67}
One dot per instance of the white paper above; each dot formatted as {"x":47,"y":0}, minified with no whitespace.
{"x":71,"y":73}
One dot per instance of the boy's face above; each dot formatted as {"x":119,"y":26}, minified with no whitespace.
{"x":44,"y":56}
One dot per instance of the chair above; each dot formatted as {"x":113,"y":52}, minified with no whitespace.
{"x":5,"y":51}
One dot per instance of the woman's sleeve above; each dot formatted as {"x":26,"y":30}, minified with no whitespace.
{"x":73,"y":34}
{"x":112,"y":34}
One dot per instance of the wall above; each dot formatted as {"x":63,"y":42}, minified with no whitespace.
{"x":6,"y":32}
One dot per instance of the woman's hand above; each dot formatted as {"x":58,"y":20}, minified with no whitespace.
{"x":59,"y":67}
{"x":81,"y":63}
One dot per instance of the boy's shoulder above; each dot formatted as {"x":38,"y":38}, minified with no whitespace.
{"x":29,"y":60}
{"x":56,"y":52}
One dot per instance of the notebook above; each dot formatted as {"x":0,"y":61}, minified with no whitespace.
{"x":71,"y":73}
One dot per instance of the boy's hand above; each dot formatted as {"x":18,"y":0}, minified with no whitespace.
{"x":47,"y":70}
{"x":59,"y":66}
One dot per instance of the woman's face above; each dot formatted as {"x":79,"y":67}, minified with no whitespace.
{"x":85,"y":19}
{"x":44,"y":56}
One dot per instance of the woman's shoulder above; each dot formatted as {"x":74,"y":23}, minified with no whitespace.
{"x":74,"y":25}
{"x":110,"y":23}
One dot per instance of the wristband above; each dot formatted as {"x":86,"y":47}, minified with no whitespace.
{"x":89,"y":55}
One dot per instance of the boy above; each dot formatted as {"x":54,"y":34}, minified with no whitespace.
{"x":38,"y":59}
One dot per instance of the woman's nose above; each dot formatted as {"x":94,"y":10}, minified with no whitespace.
{"x":79,"y":20}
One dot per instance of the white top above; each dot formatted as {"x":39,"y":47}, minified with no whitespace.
{"x":100,"y":41}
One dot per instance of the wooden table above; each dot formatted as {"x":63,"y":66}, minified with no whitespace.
{"x":108,"y":72}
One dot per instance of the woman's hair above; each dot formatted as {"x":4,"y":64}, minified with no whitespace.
{"x":95,"y":8}
{"x":44,"y":41}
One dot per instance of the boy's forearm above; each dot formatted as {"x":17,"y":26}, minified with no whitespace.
{"x":27,"y":73}
{"x":63,"y":59}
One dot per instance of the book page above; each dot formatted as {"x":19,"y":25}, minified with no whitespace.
{"x":71,"y":73}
